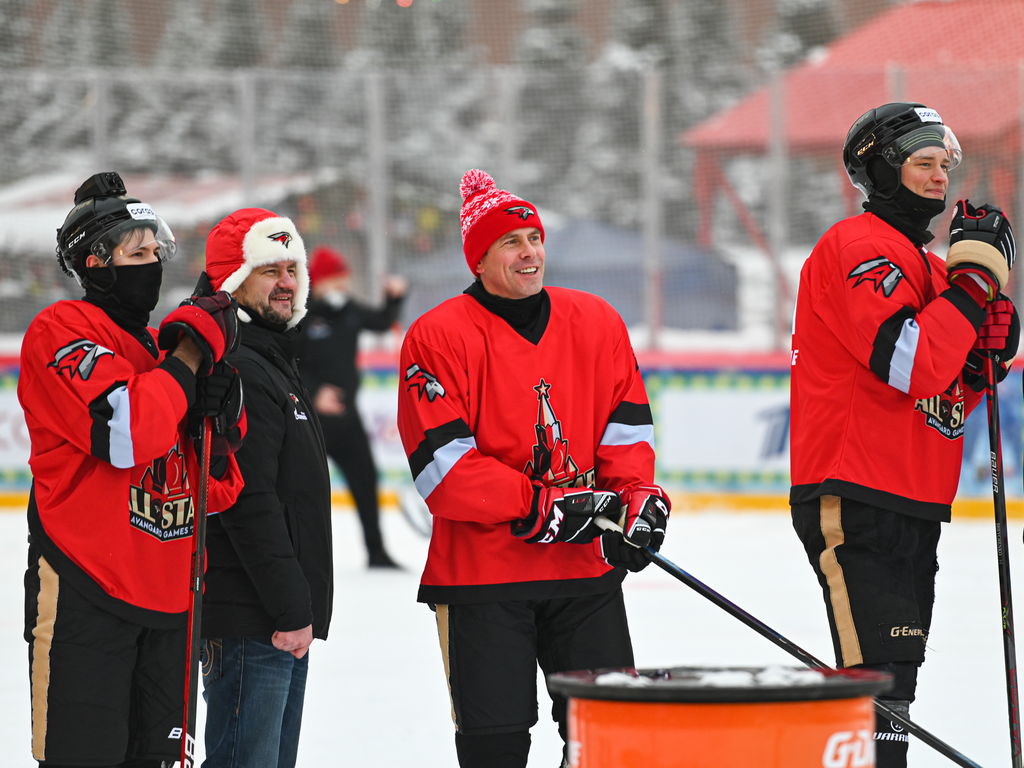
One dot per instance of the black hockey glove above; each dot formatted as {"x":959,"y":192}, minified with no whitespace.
{"x":617,"y":552}
{"x":210,"y":321}
{"x":565,"y":514}
{"x":220,"y":398}
{"x":981,"y":243}
{"x":645,"y":515}
{"x":1000,"y":337}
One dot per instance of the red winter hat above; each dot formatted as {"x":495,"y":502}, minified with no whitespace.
{"x":251,"y":238}
{"x":326,"y":262}
{"x":488,"y":213}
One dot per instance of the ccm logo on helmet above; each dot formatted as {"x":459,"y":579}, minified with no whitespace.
{"x":281,"y":237}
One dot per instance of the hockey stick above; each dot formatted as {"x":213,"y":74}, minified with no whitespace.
{"x":788,"y":645}
{"x":1003,"y":555}
{"x":195,"y":608}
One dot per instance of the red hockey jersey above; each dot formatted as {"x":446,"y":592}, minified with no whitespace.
{"x":878,"y":401}
{"x":115,"y":477}
{"x":483,"y":413}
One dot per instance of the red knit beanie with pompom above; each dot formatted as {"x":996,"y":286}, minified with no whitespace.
{"x":488,"y":213}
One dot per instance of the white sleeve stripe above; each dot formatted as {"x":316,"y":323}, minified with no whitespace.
{"x":122,"y":452}
{"x":445,"y":458}
{"x":628,"y":434}
{"x":901,"y":365}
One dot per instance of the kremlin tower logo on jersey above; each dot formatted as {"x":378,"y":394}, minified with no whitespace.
{"x":945,"y":413}
{"x":161,"y":504}
{"x":551,"y":462}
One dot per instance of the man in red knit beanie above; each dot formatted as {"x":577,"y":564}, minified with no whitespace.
{"x":524,"y":417}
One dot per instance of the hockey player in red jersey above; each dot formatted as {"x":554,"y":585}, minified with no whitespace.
{"x":887,"y":362}
{"x":115,"y":482}
{"x":524,"y":415}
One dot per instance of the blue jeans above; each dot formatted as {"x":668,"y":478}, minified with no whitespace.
{"x":253,"y":695}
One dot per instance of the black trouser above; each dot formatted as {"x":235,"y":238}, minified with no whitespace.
{"x":349,"y":447}
{"x":104,"y":691}
{"x":491,"y":652}
{"x":877,"y":572}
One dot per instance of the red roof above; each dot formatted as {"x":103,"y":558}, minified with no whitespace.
{"x":963,"y":58}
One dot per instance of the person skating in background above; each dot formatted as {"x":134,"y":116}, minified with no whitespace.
{"x":327,"y":353}
{"x":115,"y":485}
{"x":517,"y":404}
{"x":269,"y":581}
{"x":888,"y":356}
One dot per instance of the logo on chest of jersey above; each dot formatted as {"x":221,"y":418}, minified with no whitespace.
{"x":878,"y":272}
{"x":551,"y":462}
{"x":161,"y":504}
{"x":945,"y":413}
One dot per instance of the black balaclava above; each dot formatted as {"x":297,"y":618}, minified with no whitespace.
{"x":897,"y":206}
{"x":127,"y":294}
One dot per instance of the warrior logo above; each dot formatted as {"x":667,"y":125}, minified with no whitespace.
{"x":521,"y":211}
{"x":79,"y":357}
{"x":161,"y":503}
{"x":880,"y":272}
{"x":945,"y":413}
{"x":426,"y":383}
{"x":552,"y":463}
{"x":281,"y":237}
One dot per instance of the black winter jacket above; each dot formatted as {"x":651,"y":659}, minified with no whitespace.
{"x":330,"y":340}
{"x":269,"y":557}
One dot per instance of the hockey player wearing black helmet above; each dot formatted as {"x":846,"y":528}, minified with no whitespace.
{"x":889,"y":343}
{"x":115,"y":477}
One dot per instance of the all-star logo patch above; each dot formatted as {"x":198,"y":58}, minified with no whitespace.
{"x":426,"y":383}
{"x":78,"y":358}
{"x":522,"y":211}
{"x":161,"y":503}
{"x":281,"y":237}
{"x":945,"y":412}
{"x":879,"y":272}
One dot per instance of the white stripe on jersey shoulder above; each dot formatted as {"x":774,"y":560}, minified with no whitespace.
{"x":628,"y":434}
{"x":444,"y":459}
{"x":901,"y":366}
{"x":122,"y":452}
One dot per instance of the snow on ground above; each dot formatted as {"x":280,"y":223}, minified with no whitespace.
{"x":377,"y":697}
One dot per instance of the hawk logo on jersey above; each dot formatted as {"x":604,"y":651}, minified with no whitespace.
{"x":880,"y":272}
{"x":281,"y":237}
{"x":521,"y":211}
{"x":426,"y":383}
{"x":945,"y":413}
{"x":160,"y":504}
{"x":79,"y":357}
{"x":551,"y":462}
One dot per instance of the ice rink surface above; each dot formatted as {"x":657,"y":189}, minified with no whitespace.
{"x":376,"y":694}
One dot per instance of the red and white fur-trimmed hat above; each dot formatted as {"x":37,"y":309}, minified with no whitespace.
{"x":250,"y":238}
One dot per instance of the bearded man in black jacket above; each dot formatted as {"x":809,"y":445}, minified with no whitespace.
{"x":269,"y":582}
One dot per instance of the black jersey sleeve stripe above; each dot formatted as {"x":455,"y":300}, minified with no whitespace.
{"x":435,"y":439}
{"x":890,"y":343}
{"x":632,"y":414}
{"x":101,"y":410}
{"x":968,"y":307}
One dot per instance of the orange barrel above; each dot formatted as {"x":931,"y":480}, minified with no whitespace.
{"x":772,"y":717}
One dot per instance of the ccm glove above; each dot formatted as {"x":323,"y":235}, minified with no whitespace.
{"x":1000,"y":337}
{"x":644,"y":517}
{"x":981,"y":249}
{"x":210,"y":321}
{"x":220,"y":398}
{"x":565,"y":514}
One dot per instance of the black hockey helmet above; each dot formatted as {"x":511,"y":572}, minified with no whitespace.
{"x":102,"y":216}
{"x":884,"y":138}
